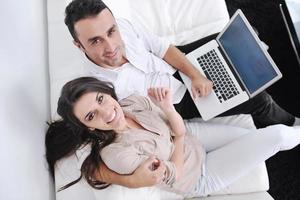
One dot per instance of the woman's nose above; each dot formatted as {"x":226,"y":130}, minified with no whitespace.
{"x":105,"y":113}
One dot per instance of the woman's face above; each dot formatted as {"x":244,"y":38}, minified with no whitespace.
{"x":97,"y":110}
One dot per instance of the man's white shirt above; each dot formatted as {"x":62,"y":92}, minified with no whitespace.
{"x":146,"y":67}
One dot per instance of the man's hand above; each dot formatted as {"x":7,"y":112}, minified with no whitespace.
{"x":201,"y":86}
{"x":149,"y":173}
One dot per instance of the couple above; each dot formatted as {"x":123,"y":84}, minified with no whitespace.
{"x":134,"y":60}
{"x":118,"y":46}
{"x":124,"y":134}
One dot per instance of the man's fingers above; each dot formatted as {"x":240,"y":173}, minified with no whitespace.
{"x":194,"y":92}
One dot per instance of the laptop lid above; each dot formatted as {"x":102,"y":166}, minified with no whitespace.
{"x":290,"y":10}
{"x":252,"y":63}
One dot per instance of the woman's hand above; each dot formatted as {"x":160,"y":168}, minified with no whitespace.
{"x":161,"y":96}
{"x":149,"y":173}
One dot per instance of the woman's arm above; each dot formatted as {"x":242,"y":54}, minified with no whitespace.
{"x":144,"y":176}
{"x":162,"y":98}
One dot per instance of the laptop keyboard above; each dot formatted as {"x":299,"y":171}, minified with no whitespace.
{"x":216,"y":72}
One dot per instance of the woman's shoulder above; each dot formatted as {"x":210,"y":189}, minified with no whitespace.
{"x":136,"y":102}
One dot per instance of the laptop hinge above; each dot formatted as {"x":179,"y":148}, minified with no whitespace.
{"x":232,"y":69}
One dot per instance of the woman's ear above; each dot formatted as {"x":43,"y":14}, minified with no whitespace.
{"x":91,"y":129}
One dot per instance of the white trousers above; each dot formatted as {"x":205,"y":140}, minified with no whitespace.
{"x":232,"y":152}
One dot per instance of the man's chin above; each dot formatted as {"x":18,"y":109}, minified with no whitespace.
{"x":115,"y":63}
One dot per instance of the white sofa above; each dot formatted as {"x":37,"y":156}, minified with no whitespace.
{"x":179,"y":21}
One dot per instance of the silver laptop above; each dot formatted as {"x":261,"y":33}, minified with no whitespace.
{"x":237,"y":63}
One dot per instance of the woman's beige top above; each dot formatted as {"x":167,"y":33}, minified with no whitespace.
{"x":134,"y":146}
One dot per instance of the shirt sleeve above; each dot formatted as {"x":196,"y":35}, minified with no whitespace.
{"x":155,"y":44}
{"x":170,"y":175}
{"x":121,"y":158}
{"x":125,"y":160}
{"x":138,"y":103}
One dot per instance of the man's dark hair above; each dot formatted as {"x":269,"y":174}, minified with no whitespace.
{"x":81,"y":9}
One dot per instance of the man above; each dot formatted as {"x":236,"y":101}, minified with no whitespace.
{"x":134,"y":60}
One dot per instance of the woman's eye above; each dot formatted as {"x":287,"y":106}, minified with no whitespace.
{"x":100,"y":99}
{"x":91,"y":116}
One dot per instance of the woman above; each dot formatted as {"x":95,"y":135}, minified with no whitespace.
{"x":128,"y":132}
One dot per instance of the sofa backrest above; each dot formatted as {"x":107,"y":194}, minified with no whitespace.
{"x":181,"y":22}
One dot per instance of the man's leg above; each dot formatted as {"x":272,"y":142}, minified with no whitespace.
{"x":264,"y":110}
{"x":186,"y":108}
{"x":194,"y":45}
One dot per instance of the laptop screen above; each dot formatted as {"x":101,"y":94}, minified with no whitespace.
{"x":246,"y":55}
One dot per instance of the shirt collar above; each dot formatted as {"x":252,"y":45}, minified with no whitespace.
{"x":99,"y":71}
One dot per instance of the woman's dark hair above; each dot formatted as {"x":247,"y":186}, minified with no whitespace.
{"x":81,"y":9}
{"x":65,"y":136}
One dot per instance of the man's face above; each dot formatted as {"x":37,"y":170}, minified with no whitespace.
{"x":100,"y":39}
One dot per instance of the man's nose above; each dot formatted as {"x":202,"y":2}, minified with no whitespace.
{"x":109,"y":45}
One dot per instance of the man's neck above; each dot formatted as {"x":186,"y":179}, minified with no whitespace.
{"x":123,"y":61}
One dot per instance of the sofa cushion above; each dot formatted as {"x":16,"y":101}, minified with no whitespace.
{"x":247,"y":196}
{"x":181,"y":22}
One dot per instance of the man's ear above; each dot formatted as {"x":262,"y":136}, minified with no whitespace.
{"x":78,"y":45}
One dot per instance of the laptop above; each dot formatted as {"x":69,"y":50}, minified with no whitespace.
{"x":237,"y":64}
{"x":290,"y":11}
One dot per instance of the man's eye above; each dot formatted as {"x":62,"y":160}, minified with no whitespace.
{"x":97,"y":41}
{"x":100,"y":99}
{"x":111,"y":32}
{"x":91,"y":116}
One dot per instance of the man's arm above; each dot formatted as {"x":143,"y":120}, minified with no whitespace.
{"x":201,"y":86}
{"x":144,"y":176}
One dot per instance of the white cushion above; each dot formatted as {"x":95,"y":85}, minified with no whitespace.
{"x":181,"y":22}
{"x":247,"y":196}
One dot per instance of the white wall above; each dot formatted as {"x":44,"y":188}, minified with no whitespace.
{"x":24,"y":101}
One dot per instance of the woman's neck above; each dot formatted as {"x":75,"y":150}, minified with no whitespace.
{"x":132,"y":124}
